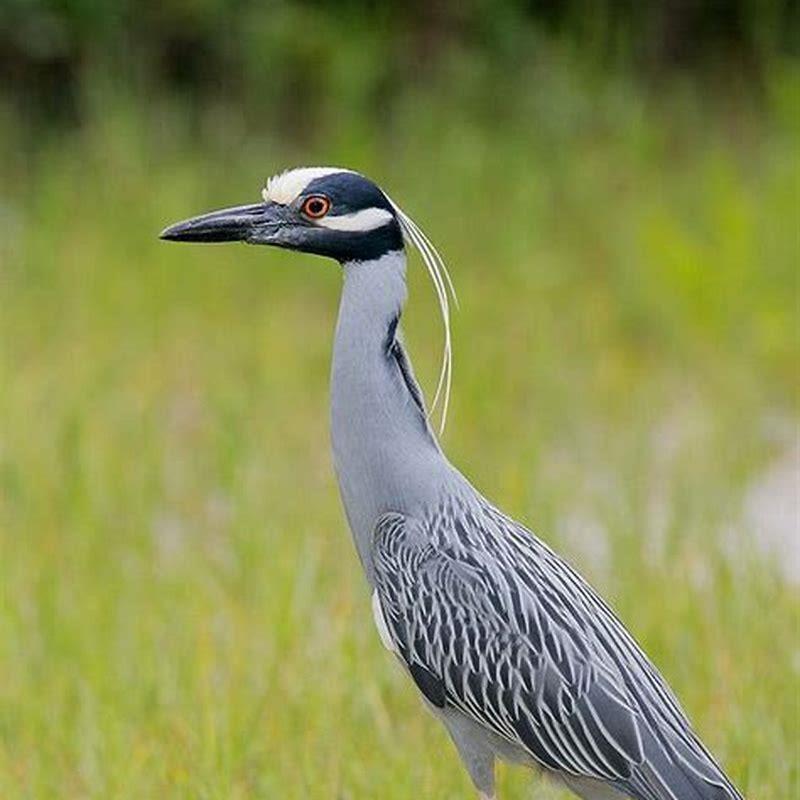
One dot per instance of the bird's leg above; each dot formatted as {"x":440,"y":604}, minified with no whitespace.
{"x":473,"y":747}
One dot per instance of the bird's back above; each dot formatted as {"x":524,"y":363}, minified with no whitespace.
{"x":492,"y":622}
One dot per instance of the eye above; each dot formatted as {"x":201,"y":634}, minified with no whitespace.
{"x":316,"y":206}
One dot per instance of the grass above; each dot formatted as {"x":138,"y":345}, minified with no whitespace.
{"x":181,"y":611}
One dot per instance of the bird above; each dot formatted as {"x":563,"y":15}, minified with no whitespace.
{"x":516,"y":654}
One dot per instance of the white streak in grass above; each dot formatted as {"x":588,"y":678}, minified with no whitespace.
{"x":772,"y":510}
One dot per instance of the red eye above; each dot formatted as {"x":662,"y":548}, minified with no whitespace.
{"x":316,"y":206}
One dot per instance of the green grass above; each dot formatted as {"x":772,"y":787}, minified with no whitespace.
{"x":181,"y":610}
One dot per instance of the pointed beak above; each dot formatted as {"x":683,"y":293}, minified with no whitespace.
{"x":254,"y":223}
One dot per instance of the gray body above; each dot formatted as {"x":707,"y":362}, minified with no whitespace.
{"x":511,"y":649}
{"x":444,"y":563}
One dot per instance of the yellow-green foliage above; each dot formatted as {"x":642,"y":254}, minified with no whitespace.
{"x":182,"y":611}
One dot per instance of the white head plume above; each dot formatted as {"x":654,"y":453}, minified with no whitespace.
{"x":443,"y":285}
{"x":285,"y":187}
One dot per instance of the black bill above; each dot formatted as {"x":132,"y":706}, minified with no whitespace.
{"x":237,"y":224}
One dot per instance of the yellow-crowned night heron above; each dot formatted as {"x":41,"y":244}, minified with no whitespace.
{"x":509,"y":646}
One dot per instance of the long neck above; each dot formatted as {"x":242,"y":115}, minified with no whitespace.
{"x":385,"y":454}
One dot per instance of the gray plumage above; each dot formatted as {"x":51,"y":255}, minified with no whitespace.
{"x":489,"y":622}
{"x":509,"y":646}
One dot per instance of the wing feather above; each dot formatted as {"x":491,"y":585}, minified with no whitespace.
{"x":498,"y":658}
{"x":490,"y":621}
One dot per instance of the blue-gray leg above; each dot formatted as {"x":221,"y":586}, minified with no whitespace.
{"x":474,"y":748}
{"x":589,"y":789}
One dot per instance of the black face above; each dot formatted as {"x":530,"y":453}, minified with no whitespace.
{"x":341,"y":215}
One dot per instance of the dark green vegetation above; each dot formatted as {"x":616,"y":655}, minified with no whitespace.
{"x":182,"y":612}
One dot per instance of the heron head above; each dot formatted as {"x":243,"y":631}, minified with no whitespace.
{"x":322,"y":210}
{"x":330,"y":212}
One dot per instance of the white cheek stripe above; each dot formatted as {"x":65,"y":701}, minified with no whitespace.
{"x":368,"y":219}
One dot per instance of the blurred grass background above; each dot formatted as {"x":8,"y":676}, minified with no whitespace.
{"x":615,"y":187}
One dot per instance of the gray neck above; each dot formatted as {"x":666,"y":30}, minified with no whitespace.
{"x":385,"y":454}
